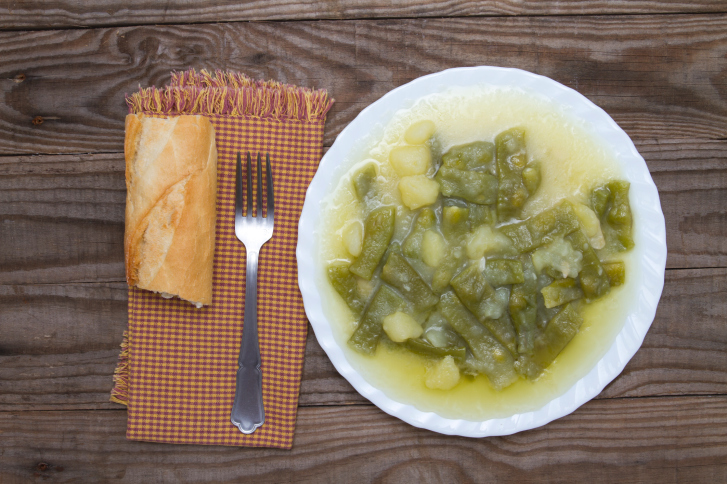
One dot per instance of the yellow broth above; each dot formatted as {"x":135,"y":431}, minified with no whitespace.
{"x":572,"y":162}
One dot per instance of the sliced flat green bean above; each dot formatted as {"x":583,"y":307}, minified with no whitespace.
{"x":454,"y":221}
{"x":426,"y":220}
{"x":558,"y":333}
{"x":424,"y":348}
{"x":512,"y":158}
{"x":400,"y":274}
{"x":473,"y":186}
{"x":363,"y":181}
{"x":611,"y":204}
{"x":491,"y":357}
{"x":366,"y":337}
{"x":447,"y":269}
{"x":543,"y":227}
{"x":531,"y":177}
{"x":561,"y":291}
{"x":593,"y":278}
{"x":599,"y":200}
{"x":500,"y":272}
{"x":346,"y":285}
{"x":616,"y":272}
{"x":524,"y":307}
{"x":480,"y":215}
{"x":378,"y":230}
{"x":503,"y":329}
{"x":479,"y":154}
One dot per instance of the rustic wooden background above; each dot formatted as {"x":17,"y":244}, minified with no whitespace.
{"x":658,"y":67}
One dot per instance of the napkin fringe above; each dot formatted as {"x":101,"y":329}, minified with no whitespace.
{"x":231,"y":94}
{"x":120,"y":392}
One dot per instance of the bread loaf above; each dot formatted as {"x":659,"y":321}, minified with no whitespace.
{"x":171,"y":182}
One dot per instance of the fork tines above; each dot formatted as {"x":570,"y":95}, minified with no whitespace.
{"x":269,"y":186}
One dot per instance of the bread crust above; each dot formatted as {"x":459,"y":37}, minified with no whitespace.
{"x":171,"y":182}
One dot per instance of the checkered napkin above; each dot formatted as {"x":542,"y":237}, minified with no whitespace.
{"x":178,"y":363}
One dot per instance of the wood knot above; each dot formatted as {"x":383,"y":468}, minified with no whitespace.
{"x":37,"y":121}
{"x":42,"y":466}
{"x":20,"y":78}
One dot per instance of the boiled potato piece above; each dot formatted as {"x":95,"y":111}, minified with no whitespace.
{"x":352,"y":237}
{"x":418,"y":133}
{"x":485,"y":240}
{"x":591,"y":225}
{"x":399,"y":327}
{"x":433,"y":248}
{"x":411,"y":160}
{"x":443,"y":376}
{"x":560,"y":256}
{"x":418,"y":191}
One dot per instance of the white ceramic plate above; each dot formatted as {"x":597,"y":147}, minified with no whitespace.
{"x":650,"y":240}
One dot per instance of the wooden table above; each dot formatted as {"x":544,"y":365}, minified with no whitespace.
{"x":658,"y":67}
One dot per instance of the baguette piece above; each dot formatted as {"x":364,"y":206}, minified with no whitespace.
{"x":171,"y":182}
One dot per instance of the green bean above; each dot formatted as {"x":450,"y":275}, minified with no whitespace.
{"x":378,"y":230}
{"x":511,"y":160}
{"x":363,"y":181}
{"x":472,"y":287}
{"x":400,"y":274}
{"x":413,"y":244}
{"x":524,"y":307}
{"x":500,"y":272}
{"x":616,"y":272}
{"x":425,"y":348}
{"x":479,"y":215}
{"x":479,"y":154}
{"x":454,"y":221}
{"x":542,"y":227}
{"x":558,"y":333}
{"x":365,"y":338}
{"x":531,"y":177}
{"x":447,"y":269}
{"x":593,"y":278}
{"x":473,"y":186}
{"x":346,"y":285}
{"x":503,"y":328}
{"x":611,"y":204}
{"x":619,"y":215}
{"x":561,"y":291}
{"x":490,"y":356}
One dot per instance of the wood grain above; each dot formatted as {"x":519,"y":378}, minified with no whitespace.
{"x":669,"y":440}
{"x":654,"y":86}
{"x":35,"y":14}
{"x":60,"y":344}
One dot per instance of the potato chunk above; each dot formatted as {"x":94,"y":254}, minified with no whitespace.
{"x":433,"y":247}
{"x":399,"y":327}
{"x":560,"y":256}
{"x":418,"y":191}
{"x":419,"y":132}
{"x":410,"y":160}
{"x":352,"y":236}
{"x":591,"y":225}
{"x":484,"y":240}
{"x":443,"y":376}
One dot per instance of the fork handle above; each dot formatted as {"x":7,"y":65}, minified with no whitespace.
{"x":248,"y":412}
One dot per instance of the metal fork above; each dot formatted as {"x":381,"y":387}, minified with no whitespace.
{"x":248,"y":412}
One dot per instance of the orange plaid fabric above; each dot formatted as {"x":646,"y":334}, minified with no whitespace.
{"x":182,"y":360}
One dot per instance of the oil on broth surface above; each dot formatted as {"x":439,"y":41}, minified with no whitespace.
{"x":572,"y":162}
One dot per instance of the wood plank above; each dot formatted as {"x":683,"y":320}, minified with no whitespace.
{"x":655,"y":87}
{"x":35,"y":14}
{"x":60,"y":344}
{"x":669,"y":440}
